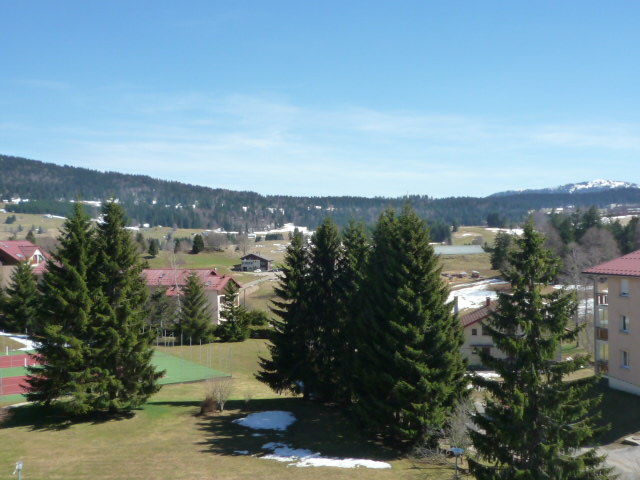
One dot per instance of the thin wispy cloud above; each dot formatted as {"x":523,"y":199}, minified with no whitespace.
{"x":272,"y":145}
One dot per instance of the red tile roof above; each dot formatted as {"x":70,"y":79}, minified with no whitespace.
{"x":168,"y":277}
{"x":478,"y":314}
{"x":18,"y":250}
{"x":627,"y":266}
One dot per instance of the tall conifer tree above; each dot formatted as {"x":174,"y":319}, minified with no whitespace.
{"x":64,"y":335}
{"x":20,"y":304}
{"x":234,"y":326}
{"x":194,"y":317}
{"x":324,"y":309}
{"x":410,"y":369}
{"x":124,"y":346}
{"x":286,"y":369}
{"x":351,"y":275}
{"x":535,"y":421}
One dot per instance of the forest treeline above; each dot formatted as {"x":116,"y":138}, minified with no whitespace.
{"x":50,"y":188}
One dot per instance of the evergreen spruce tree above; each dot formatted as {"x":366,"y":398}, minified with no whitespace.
{"x":64,"y":335}
{"x":234,"y":325}
{"x":20,"y":302}
{"x":351,"y":275}
{"x":409,"y":367}
{"x":534,"y":420}
{"x":194,"y":316}
{"x":123,"y":349}
{"x":153,"y":247}
{"x":286,"y":367}
{"x":161,"y":311}
{"x":198,"y":244}
{"x":30,"y":237}
{"x":325,"y":326}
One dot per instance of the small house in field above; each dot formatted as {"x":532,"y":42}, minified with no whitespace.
{"x":476,"y":336}
{"x":12,"y":252}
{"x":253,"y":262}
{"x":174,"y":280}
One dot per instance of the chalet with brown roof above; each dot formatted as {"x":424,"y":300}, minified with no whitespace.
{"x":174,"y":280}
{"x":476,"y":336}
{"x":253,"y":262}
{"x":13,"y":252}
{"x":617,"y":321}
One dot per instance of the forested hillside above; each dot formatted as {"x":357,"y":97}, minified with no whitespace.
{"x":50,"y":187}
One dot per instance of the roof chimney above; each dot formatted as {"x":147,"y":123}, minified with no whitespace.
{"x":488,"y":301}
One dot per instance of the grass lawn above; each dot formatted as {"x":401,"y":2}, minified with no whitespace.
{"x":10,"y":344}
{"x":260,"y":299}
{"x":167,"y":439}
{"x":466,"y":235}
{"x":26,"y":221}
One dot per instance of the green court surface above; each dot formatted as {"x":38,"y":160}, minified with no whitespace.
{"x":13,"y":372}
{"x":178,"y":370}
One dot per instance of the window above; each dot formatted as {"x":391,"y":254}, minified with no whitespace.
{"x":624,"y":287}
{"x":474,"y":331}
{"x":624,"y":324}
{"x":485,"y":330}
{"x":625,"y":359}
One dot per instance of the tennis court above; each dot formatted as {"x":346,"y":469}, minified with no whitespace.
{"x":177,"y":370}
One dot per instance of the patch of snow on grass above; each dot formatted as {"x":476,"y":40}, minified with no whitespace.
{"x":270,"y":420}
{"x":241,"y":452}
{"x":301,"y":457}
{"x":510,"y":231}
{"x":23,"y":339}
{"x":487,"y":375}
{"x":474,"y":295}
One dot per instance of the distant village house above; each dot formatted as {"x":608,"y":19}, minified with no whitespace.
{"x":175,"y":280}
{"x":253,"y":262}
{"x":13,"y":252}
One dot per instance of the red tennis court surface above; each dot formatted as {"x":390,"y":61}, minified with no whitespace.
{"x":12,"y":385}
{"x":8,"y":361}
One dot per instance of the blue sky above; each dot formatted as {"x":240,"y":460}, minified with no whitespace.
{"x":332,"y":97}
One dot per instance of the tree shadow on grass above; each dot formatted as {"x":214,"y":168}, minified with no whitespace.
{"x":318,"y":428}
{"x":619,"y":411}
{"x":38,"y":417}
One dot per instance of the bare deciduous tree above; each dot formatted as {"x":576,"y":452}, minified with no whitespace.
{"x":244,"y":243}
{"x":221,"y":389}
{"x":216,"y":241}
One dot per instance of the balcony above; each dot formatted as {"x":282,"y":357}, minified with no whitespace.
{"x":602,"y":333}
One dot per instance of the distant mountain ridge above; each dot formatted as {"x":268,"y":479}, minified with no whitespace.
{"x":597,"y":185}
{"x":50,"y":188}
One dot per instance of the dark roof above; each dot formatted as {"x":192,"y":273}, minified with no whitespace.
{"x":627,"y":266}
{"x":478,"y":315}
{"x":256,"y":256}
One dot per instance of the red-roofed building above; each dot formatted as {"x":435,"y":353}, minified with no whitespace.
{"x":173,"y":280}
{"x":13,"y":252}
{"x":476,"y":337}
{"x":617,"y":321}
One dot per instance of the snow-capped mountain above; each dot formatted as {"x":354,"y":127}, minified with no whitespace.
{"x":598,"y":185}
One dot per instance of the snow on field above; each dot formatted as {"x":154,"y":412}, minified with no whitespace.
{"x":487,"y":375}
{"x":511,"y":231}
{"x":270,"y":420}
{"x":474,"y":294}
{"x":23,"y":339}
{"x":301,"y":457}
{"x":286,"y":228}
